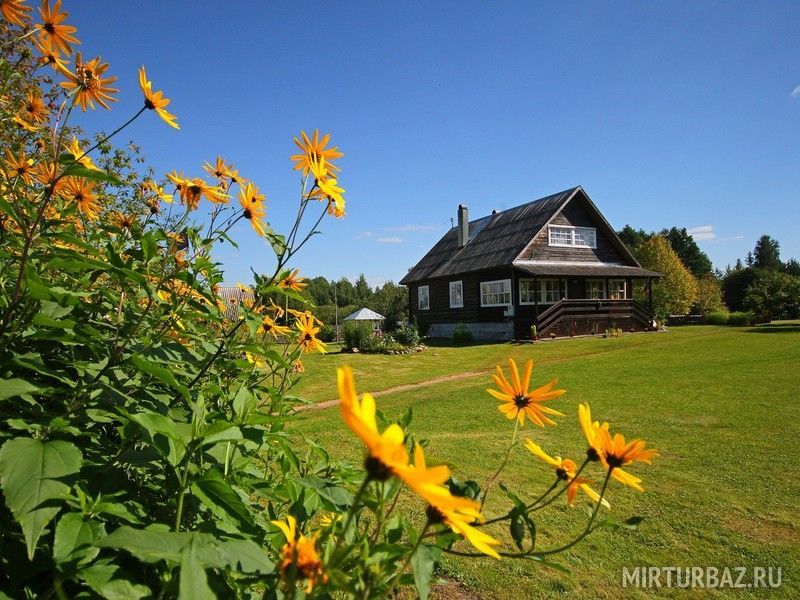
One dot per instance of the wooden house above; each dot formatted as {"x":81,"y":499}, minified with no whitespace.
{"x":555,"y":263}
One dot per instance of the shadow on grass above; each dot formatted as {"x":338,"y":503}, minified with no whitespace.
{"x":448,"y":343}
{"x":775,"y":328}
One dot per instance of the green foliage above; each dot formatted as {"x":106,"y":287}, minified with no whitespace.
{"x":734,"y":286}
{"x":676,"y":291}
{"x":741,"y":319}
{"x":773,"y":295}
{"x":407,"y":335}
{"x":688,"y":251}
{"x":718,"y":318}
{"x":462,"y":334}
{"x":709,"y":296}
{"x":356,"y":333}
{"x":766,"y":254}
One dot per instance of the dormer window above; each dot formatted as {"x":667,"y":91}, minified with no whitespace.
{"x":574,"y":237}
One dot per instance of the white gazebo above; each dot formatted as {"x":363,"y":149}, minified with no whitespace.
{"x":367,"y":315}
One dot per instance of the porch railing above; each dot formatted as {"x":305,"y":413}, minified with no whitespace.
{"x":583,"y":310}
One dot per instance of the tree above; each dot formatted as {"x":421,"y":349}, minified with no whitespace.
{"x":676,"y":291}
{"x":734,"y":287}
{"x":362,"y":289}
{"x":391,"y":301}
{"x":632,"y":238}
{"x":319,"y":290}
{"x":792,"y":267}
{"x":773,"y":295}
{"x":767,"y":254}
{"x":689,"y":252}
{"x":709,"y":295}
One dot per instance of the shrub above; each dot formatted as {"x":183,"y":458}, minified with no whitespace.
{"x":741,"y":319}
{"x":327,"y":333}
{"x":613,"y":332}
{"x":407,"y":335}
{"x":718,"y":318}
{"x":462,"y":334}
{"x":355,"y":333}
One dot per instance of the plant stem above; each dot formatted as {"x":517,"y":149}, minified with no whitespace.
{"x":356,"y":501}
{"x":533,"y":506}
{"x":503,"y":464}
{"x":183,"y":480}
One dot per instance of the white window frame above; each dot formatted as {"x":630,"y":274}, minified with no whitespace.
{"x":506,"y":290}
{"x":623,"y":289}
{"x":561,"y":290}
{"x":590,"y":232}
{"x":540,"y":291}
{"x":457,"y":285}
{"x":589,"y":290}
{"x":533,"y":289}
{"x":427,"y":297}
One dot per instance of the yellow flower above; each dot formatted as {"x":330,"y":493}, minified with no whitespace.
{"x":517,"y":401}
{"x":566,"y":470}
{"x":123,"y":221}
{"x":253,"y":206}
{"x":293,"y":282}
{"x":613,"y":452}
{"x":19,"y":166}
{"x":307,"y":337}
{"x":269,"y":326}
{"x":151,"y":187}
{"x":298,"y":367}
{"x":24,"y":124}
{"x":88,"y":83}
{"x":156,"y":101}
{"x":388,"y":456}
{"x":53,"y":31}
{"x":328,"y":189}
{"x":387,"y":450}
{"x":34,"y":110}
{"x":74,"y":148}
{"x":81,"y":191}
{"x":301,"y":552}
{"x":15,"y":11}
{"x":219,"y":170}
{"x":197,"y":188}
{"x":314,"y":149}
{"x":256,"y":360}
{"x":329,"y":518}
{"x":50,"y":55}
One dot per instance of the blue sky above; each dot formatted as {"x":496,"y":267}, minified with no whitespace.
{"x":682,"y":114}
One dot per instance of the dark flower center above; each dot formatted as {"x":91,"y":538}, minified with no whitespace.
{"x":434,"y":515}
{"x":49,"y":28}
{"x":592,"y":455}
{"x":248,"y":214}
{"x":521,"y":401}
{"x":376,"y":469}
{"x":614,"y":461}
{"x":149,"y":104}
{"x":562,"y":474}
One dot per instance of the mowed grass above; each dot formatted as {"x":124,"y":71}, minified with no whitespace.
{"x":721,"y":405}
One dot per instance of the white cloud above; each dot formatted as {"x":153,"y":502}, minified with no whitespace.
{"x":702,"y":233}
{"x":365,"y":234}
{"x":389,"y":240}
{"x":795,"y":92}
{"x":413,"y":228}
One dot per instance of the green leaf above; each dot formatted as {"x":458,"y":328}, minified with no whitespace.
{"x":77,"y":170}
{"x":517,"y":528}
{"x":160,"y":373}
{"x":16,"y":387}
{"x":220,"y":498}
{"x":100,"y":577}
{"x":29,"y":473}
{"x":193,"y":583}
{"x":74,"y":539}
{"x":148,"y":545}
{"x":149,"y":245}
{"x":245,"y":556}
{"x":423,"y":562}
{"x":164,"y":433}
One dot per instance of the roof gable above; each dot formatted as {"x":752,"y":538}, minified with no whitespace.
{"x":581,"y":203}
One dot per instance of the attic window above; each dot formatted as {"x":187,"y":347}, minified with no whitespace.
{"x":575,"y":237}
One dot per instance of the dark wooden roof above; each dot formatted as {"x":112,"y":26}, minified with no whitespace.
{"x":583,"y":269}
{"x":494,"y":241}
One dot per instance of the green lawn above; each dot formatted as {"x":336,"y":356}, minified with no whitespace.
{"x":721,"y":405}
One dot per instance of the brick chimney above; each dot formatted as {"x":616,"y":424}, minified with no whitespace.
{"x":463,"y":225}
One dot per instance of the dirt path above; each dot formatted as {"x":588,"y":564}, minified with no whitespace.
{"x":401,"y":388}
